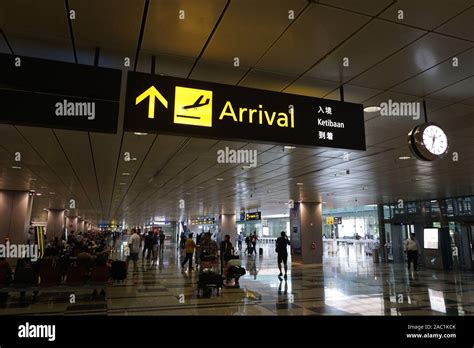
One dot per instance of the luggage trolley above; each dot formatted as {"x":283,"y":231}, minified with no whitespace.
{"x":209,"y":277}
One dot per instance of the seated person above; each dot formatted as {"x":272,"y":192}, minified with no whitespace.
{"x":5,"y":272}
{"x":84,"y":258}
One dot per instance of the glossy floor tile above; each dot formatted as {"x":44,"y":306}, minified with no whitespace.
{"x":341,"y":286}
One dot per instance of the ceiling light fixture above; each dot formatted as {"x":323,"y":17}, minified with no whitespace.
{"x":52,"y":193}
{"x":220,"y":179}
{"x":38,"y":194}
{"x":299,"y":183}
{"x":404,"y":157}
{"x":140,"y":133}
{"x":16,"y":167}
{"x":123,"y":183}
{"x":373,"y":108}
{"x":126,"y":174}
{"x":289,"y":147}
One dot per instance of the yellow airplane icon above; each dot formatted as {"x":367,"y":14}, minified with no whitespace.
{"x":151,"y":93}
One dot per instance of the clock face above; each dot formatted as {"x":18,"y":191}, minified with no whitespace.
{"x":435,"y":140}
{"x":428,"y":141}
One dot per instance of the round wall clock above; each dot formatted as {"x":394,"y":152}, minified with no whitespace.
{"x":428,"y":141}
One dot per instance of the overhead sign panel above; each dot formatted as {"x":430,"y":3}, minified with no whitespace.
{"x":43,"y":93}
{"x":169,"y":105}
{"x":253,"y":216}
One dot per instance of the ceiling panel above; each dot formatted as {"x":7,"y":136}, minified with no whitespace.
{"x":248,"y":38}
{"x":353,"y":94}
{"x":119,"y":25}
{"x":266,"y":80}
{"x":457,"y":92}
{"x":311,"y":87}
{"x":316,"y":32}
{"x":225,"y":73}
{"x":425,"y":14}
{"x":378,"y":40}
{"x":423,"y":54}
{"x":166,"y":33}
{"x":370,"y":7}
{"x":438,"y":77}
{"x":460,"y":26}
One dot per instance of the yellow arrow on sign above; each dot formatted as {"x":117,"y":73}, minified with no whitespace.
{"x":151,"y":93}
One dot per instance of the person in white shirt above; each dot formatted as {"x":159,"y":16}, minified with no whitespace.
{"x":411,"y":248}
{"x":134,"y":247}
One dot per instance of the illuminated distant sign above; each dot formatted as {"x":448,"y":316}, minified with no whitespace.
{"x":329,"y":220}
{"x":430,"y":237}
{"x":253,"y":216}
{"x":169,"y":105}
{"x":203,"y":221}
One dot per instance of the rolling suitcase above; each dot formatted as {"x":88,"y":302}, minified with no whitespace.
{"x":119,"y":270}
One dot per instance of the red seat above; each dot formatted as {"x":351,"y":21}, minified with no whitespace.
{"x":49,"y":276}
{"x":75,"y":275}
{"x":100,"y":274}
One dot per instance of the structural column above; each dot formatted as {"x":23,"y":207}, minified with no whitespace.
{"x":306,"y":231}
{"x":55,"y":226}
{"x":383,"y":241}
{"x":15,"y":216}
{"x":228,"y":226}
{"x":71,"y":224}
{"x":80,"y":225}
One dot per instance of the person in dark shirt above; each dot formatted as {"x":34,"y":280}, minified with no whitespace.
{"x":281,"y":249}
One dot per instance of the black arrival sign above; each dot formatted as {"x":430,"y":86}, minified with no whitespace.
{"x":45,"y":93}
{"x":169,"y":105}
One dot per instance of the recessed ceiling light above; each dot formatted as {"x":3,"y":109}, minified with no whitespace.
{"x":126,"y":174}
{"x":220,"y":179}
{"x":140,"y":133}
{"x":38,"y":194}
{"x":299,"y":183}
{"x":289,"y":147}
{"x":16,"y":167}
{"x":404,"y":157}
{"x":372,"y":108}
{"x":123,"y":183}
{"x":52,"y":193}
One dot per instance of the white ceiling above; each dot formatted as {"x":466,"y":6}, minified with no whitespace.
{"x":402,"y":60}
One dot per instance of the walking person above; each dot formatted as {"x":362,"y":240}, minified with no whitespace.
{"x":281,"y":249}
{"x":411,"y":248}
{"x":155,"y":246}
{"x":254,"y":240}
{"x":134,"y":247}
{"x":148,"y":245}
{"x":248,"y":245}
{"x":240,"y":239}
{"x":162,"y":241}
{"x":189,"y":246}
